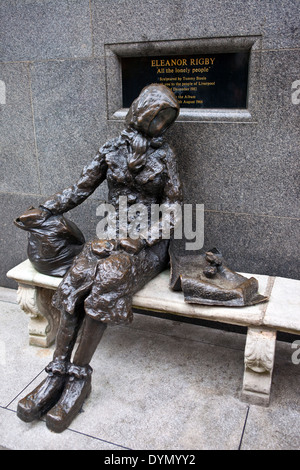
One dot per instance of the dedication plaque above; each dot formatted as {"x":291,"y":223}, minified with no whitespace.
{"x":198,"y":81}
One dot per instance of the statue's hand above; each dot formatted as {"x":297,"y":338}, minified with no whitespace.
{"x":103,"y":248}
{"x":132,"y":246}
{"x":33,"y":217}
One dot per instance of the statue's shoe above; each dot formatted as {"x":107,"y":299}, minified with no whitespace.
{"x":45,"y":395}
{"x":77,"y":389}
{"x":41,"y":399}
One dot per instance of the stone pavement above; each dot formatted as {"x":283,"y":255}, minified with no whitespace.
{"x":157,"y":385}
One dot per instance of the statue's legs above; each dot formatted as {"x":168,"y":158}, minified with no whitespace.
{"x":104,"y":289}
{"x":78,"y":383}
{"x":45,"y":395}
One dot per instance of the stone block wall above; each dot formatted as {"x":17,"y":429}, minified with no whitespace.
{"x":55,"y":116}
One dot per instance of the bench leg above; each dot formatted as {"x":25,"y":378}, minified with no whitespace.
{"x":44,"y":319}
{"x":259,"y":363}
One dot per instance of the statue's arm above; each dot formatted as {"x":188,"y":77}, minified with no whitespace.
{"x":171,"y":201}
{"x":91,"y":177}
{"x":173,"y":189}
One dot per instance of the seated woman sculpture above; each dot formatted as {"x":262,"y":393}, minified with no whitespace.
{"x":98,"y":288}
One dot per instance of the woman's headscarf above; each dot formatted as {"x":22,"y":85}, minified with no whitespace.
{"x":152,"y":99}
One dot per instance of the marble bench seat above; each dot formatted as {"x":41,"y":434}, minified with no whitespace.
{"x":281,"y":313}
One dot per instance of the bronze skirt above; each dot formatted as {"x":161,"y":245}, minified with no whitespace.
{"x":105,"y":286}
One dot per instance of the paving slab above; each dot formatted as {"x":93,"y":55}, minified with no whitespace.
{"x":8,"y":295}
{"x":16,"y":435}
{"x":19,"y":362}
{"x":276,"y":428}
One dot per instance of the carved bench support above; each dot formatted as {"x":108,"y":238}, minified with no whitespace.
{"x":44,"y":319}
{"x":259,"y":363}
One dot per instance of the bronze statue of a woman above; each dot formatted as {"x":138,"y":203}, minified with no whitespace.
{"x":98,"y":288}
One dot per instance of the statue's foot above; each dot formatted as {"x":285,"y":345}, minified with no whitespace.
{"x":45,"y":395}
{"x":77,"y":389}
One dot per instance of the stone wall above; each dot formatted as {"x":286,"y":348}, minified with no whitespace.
{"x":55,"y":116}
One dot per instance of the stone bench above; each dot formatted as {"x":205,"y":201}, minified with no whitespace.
{"x":281,"y":313}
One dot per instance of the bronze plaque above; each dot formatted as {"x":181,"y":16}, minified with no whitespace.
{"x":198,"y":81}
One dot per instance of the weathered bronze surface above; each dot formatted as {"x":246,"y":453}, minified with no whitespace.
{"x":53,"y":241}
{"x":97,"y":289}
{"x":205,"y":279}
